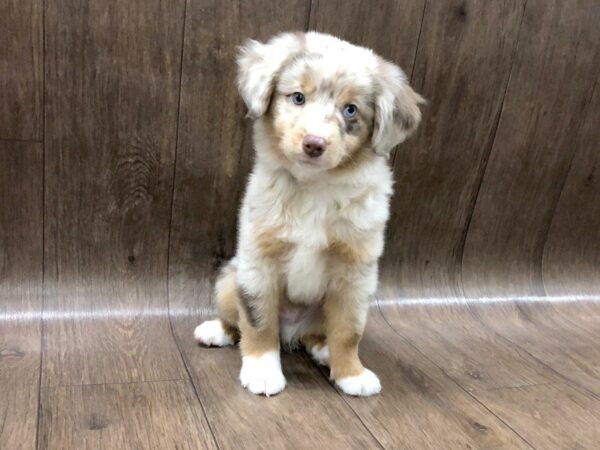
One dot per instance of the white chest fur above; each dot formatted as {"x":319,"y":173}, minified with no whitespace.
{"x":305,"y":273}
{"x":310,"y":217}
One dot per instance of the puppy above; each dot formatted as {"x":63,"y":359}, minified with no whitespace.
{"x":326,"y":116}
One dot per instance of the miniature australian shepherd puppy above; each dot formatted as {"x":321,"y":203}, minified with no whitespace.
{"x":311,"y":229}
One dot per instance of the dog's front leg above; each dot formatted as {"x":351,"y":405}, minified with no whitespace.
{"x":258,"y":294}
{"x":345,"y":307}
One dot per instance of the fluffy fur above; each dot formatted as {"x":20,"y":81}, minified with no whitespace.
{"x":311,"y":228}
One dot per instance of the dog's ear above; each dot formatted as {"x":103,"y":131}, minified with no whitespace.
{"x":397,"y":113}
{"x":258,"y":65}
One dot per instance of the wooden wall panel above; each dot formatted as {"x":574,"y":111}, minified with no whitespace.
{"x":369,"y":24}
{"x":21,"y":69}
{"x":462,"y":67}
{"x":550,"y":87}
{"x":21,"y":196}
{"x":571,"y":263}
{"x":112,"y":82}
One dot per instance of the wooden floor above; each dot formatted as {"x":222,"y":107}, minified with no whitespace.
{"x":496,"y":375}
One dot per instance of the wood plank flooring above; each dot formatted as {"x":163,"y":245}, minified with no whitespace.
{"x":454,"y":376}
{"x":157,"y":415}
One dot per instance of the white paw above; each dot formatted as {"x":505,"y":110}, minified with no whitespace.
{"x":320,"y":355}
{"x":364,"y":384}
{"x":262,"y":375}
{"x":212,"y":333}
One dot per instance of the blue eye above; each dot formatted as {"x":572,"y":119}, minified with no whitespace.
{"x":350,"y":111}
{"x":298,"y":98}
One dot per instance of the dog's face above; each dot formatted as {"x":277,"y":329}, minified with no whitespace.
{"x":323,"y":103}
{"x":322,"y":112}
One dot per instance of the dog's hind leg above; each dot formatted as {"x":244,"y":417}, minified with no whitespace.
{"x":222,"y":331}
{"x":316,"y":346}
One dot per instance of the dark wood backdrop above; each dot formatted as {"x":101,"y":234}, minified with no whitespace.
{"x":124,"y":152}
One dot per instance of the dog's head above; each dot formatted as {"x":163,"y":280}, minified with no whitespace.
{"x":322,"y":102}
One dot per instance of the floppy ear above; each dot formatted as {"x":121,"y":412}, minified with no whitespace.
{"x":397,"y":113}
{"x":258,"y":65}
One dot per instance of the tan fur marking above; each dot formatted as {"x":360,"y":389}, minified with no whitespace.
{"x":351,"y":254}
{"x":344,"y":360}
{"x":227,"y":300}
{"x":313,"y":340}
{"x":361,"y":152}
{"x":270,"y":245}
{"x":255,"y":341}
{"x":347,"y":95}
{"x":258,"y":323}
{"x":246,"y":305}
{"x":343,"y":338}
{"x":274,"y":136}
{"x":230,"y":330}
{"x":307,"y":83}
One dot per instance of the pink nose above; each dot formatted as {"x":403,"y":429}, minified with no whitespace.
{"x":313,"y":146}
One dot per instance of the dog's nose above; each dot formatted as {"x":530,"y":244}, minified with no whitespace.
{"x":313,"y":146}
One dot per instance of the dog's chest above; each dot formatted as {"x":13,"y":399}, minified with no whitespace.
{"x":309,"y":222}
{"x":306,"y":277}
{"x":310,"y":233}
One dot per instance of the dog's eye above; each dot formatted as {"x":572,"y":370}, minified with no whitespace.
{"x":350,"y":111}
{"x":298,"y":98}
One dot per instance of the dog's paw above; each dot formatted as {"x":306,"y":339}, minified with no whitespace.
{"x":262,"y":375}
{"x":212,"y":333}
{"x":320,"y":354}
{"x":364,"y":384}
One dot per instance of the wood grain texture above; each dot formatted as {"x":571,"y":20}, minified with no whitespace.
{"x":546,"y":102}
{"x":21,"y":197}
{"x":554,"y":339}
{"x":572,"y":252}
{"x":111,"y":119}
{"x":421,"y":407}
{"x":462,"y":67}
{"x":368,"y":24}
{"x":548,"y":417}
{"x":582,"y":314}
{"x":18,"y":412}
{"x":21,"y":252}
{"x":21,"y":69}
{"x":158,"y":415}
{"x":473,"y":356}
